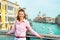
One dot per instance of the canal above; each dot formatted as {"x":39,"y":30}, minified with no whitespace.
{"x":45,"y":28}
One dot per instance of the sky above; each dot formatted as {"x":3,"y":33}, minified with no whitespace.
{"x":49,"y":7}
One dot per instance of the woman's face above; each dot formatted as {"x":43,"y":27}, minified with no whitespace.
{"x":21,"y":14}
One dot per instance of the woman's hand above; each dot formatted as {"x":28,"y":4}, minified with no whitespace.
{"x":41,"y":36}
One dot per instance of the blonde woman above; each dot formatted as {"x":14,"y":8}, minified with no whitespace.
{"x":21,"y":26}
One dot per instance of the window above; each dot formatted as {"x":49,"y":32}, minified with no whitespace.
{"x":0,"y":26}
{"x":10,"y":7}
{"x":0,"y":18}
{"x":0,"y":13}
{"x":5,"y":18}
{"x":0,"y":5}
{"x":6,"y":25}
{"x":14,"y":9}
{"x":11,"y":19}
{"x":11,"y":14}
{"x":5,"y":7}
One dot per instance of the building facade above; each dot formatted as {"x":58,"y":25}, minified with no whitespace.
{"x":8,"y":12}
{"x":50,"y":20}
{"x":57,"y":21}
{"x":45,"y":19}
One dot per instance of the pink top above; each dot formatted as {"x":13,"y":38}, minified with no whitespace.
{"x":21,"y":28}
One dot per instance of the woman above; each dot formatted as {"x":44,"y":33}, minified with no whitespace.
{"x":21,"y":26}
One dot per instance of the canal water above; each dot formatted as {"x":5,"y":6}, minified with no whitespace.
{"x":45,"y":28}
{"x":41,"y":28}
{"x":6,"y":37}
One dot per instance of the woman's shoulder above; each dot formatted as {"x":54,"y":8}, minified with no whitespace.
{"x":26,"y":21}
{"x":16,"y":21}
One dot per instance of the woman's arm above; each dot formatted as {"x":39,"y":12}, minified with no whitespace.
{"x":31,"y":30}
{"x":13,"y":29}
